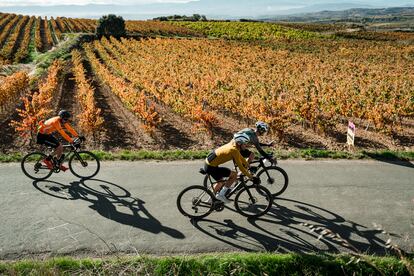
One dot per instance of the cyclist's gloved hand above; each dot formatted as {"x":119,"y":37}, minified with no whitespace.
{"x":272,"y":160}
{"x":256,"y":180}
{"x":82,"y":138}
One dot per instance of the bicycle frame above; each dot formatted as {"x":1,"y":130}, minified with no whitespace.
{"x":262,"y":165}
{"x":74,"y":150}
{"x":240,"y":184}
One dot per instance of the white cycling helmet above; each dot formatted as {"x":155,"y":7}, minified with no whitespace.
{"x":262,"y":126}
{"x":241,"y":138}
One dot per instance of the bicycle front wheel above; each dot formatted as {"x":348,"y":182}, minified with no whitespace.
{"x":33,"y":166}
{"x":253,"y":201}
{"x":84,"y":164}
{"x":195,"y":202}
{"x":275,"y":179}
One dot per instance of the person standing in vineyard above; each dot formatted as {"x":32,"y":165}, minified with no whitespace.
{"x":45,"y":137}
{"x":230,"y":151}
{"x":253,"y":134}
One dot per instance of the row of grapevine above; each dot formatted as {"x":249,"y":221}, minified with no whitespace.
{"x":23,"y":51}
{"x":247,"y":30}
{"x":158,"y":28}
{"x":11,"y":88}
{"x":47,"y":34}
{"x":135,"y":101}
{"x":40,"y":105}
{"x":38,"y":36}
{"x":56,"y":29}
{"x":8,"y":50}
{"x":185,"y":103}
{"x":277,"y":86}
{"x":90,"y":119}
{"x":5,"y":32}
{"x":5,"y":20}
{"x":61,"y":25}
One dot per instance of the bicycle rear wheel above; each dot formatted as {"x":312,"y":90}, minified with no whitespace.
{"x":84,"y":164}
{"x":195,"y":202}
{"x":253,"y":201}
{"x":33,"y":166}
{"x":275,"y":179}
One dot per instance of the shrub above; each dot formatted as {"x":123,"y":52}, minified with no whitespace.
{"x":111,"y":25}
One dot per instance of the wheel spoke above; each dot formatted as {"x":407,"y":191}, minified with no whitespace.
{"x":84,"y":164}
{"x":195,"y":202}
{"x":274,"y":179}
{"x":253,"y":201}
{"x":33,"y":166}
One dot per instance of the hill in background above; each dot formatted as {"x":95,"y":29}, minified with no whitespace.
{"x":396,"y":17}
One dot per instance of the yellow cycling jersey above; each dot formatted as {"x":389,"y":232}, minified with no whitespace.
{"x":226,"y":153}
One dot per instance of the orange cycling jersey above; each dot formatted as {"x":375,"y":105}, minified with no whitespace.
{"x":53,"y":124}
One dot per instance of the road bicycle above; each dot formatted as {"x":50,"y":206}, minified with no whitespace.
{"x":274,"y":178}
{"x":83,"y":164}
{"x":251,"y":201}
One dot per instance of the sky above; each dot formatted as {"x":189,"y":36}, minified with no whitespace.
{"x":5,"y":3}
{"x":220,"y":9}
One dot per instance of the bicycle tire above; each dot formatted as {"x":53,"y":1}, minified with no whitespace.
{"x":245,"y":196}
{"x":277,"y":189}
{"x":200,"y":199}
{"x":27,"y":158}
{"x":75,"y":169}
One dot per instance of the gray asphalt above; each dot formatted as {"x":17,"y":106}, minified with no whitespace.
{"x":130,"y":207}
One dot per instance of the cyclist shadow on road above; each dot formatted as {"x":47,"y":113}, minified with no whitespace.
{"x":299,"y":228}
{"x":105,"y":200}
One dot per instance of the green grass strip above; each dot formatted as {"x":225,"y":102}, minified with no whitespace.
{"x":309,"y":154}
{"x":44,"y":60}
{"x":214,"y":264}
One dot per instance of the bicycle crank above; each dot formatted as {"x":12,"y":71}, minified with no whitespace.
{"x":218,"y":206}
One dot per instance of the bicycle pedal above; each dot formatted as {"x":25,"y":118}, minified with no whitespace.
{"x":219,"y":206}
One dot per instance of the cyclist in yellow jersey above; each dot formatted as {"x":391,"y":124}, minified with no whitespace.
{"x":223,"y":154}
{"x":45,"y":136}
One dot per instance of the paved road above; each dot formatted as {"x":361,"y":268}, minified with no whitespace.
{"x":130,"y":207}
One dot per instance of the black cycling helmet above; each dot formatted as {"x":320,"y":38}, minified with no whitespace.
{"x":64,"y":115}
{"x":262,"y":127}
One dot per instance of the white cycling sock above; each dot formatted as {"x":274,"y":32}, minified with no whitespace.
{"x":223,"y":191}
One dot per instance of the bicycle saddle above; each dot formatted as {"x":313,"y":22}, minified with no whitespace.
{"x":202,"y":171}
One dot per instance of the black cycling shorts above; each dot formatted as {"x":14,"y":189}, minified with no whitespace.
{"x":217,"y":172}
{"x":48,"y":140}
{"x":245,"y":153}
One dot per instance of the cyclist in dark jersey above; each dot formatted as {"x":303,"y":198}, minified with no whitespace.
{"x":261,"y":129}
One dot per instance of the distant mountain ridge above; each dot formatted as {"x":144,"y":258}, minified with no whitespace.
{"x":376,"y":15}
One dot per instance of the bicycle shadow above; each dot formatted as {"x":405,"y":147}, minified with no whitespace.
{"x":295,"y":221}
{"x":105,"y":202}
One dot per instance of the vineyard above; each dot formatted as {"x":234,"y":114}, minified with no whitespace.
{"x":175,"y":87}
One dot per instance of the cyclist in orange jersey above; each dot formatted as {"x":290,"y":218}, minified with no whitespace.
{"x":45,"y":136}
